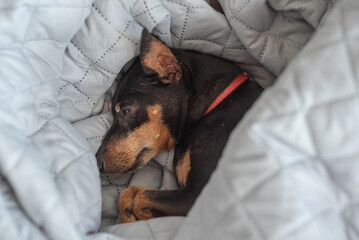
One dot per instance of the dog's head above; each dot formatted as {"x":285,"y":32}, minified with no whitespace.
{"x":146,"y":108}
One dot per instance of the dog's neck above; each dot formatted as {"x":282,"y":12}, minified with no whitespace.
{"x":207,"y":82}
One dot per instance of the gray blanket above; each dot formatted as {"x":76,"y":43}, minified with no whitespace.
{"x":289,"y":170}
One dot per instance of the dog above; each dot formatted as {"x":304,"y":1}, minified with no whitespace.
{"x":170,"y":97}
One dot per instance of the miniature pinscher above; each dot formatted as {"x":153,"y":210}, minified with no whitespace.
{"x":170,"y":97}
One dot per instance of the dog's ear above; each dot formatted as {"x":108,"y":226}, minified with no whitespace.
{"x":157,"y":58}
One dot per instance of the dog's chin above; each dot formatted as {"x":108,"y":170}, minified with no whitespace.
{"x":142,"y":158}
{"x":131,"y":169}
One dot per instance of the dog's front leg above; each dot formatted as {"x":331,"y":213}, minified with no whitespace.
{"x":139,"y":203}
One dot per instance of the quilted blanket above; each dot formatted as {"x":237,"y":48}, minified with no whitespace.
{"x":289,"y":170}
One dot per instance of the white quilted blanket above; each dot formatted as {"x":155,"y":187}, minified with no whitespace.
{"x":289,"y":171}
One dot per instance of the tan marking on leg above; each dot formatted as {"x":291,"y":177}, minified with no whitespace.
{"x":134,"y":201}
{"x":153,"y":135}
{"x":125,"y":201}
{"x":183,"y":167}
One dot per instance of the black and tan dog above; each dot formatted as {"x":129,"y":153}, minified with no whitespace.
{"x":168,"y":97}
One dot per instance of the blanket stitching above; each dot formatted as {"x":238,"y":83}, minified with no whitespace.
{"x":145,"y":11}
{"x":211,"y":41}
{"x":174,"y":34}
{"x":154,"y":166}
{"x":260,"y":58}
{"x":101,"y":14}
{"x":183,"y":28}
{"x":151,"y":231}
{"x":94,"y":137}
{"x":90,"y":60}
{"x":149,"y":13}
{"x":108,"y":22}
{"x":163,"y":171}
{"x":239,"y":48}
{"x":239,"y":10}
{"x":188,"y":6}
{"x":267,"y":32}
{"x":246,"y":25}
{"x":226,"y":44}
{"x":31,"y":135}
{"x":76,"y":88}
{"x":161,"y":33}
{"x":284,"y":39}
{"x":96,"y":62}
{"x":67,"y":83}
{"x":113,"y":45}
{"x":109,"y":183}
{"x":104,"y":122}
{"x":168,"y":155}
{"x":117,"y":186}
{"x":294,"y":43}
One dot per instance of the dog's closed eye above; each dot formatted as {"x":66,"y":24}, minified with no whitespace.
{"x":126,"y":111}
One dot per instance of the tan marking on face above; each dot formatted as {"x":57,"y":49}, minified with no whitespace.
{"x":110,"y":104}
{"x":183,"y":167}
{"x":117,"y":107}
{"x":154,"y":135}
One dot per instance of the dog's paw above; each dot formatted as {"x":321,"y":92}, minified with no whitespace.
{"x":134,"y":205}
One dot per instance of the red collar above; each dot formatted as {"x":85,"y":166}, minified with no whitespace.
{"x":226,"y":92}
